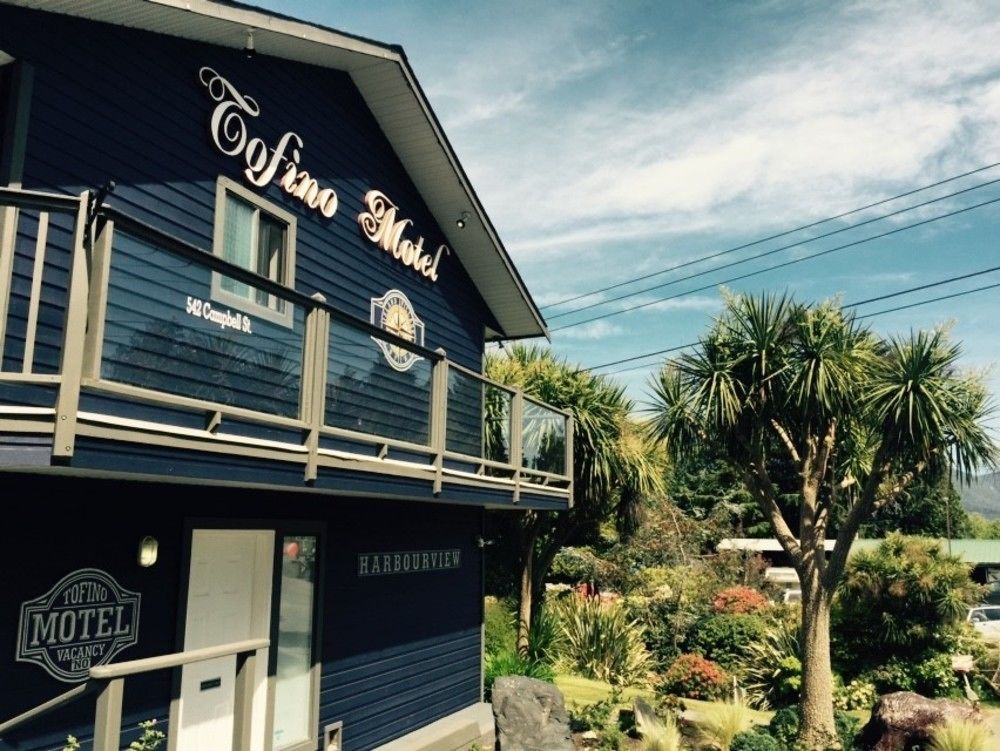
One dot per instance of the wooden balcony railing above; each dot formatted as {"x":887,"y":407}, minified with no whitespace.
{"x":108,"y":682}
{"x":99,"y":303}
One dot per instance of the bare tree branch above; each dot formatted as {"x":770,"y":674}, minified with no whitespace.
{"x":787,"y":440}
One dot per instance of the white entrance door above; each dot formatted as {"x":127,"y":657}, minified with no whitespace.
{"x":229,"y":599}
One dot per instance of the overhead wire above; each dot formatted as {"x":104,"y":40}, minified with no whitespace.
{"x":784,"y":264}
{"x":868,"y":301}
{"x":762,"y":240}
{"x":780,"y":249}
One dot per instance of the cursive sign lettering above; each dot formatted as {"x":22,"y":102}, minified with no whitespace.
{"x":379,"y":224}
{"x":228,"y":129}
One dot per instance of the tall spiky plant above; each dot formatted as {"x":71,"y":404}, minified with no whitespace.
{"x":856,"y":416}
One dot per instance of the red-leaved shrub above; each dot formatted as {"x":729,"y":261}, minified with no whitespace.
{"x":739,"y":601}
{"x":695,"y":677}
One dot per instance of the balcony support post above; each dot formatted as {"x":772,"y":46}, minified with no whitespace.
{"x":439,"y":418}
{"x":97,"y":308}
{"x":108,"y":716}
{"x":517,"y":440}
{"x":8,"y":236}
{"x":74,"y":336}
{"x":568,"y":471}
{"x":314,"y":367}
{"x":243,"y":700}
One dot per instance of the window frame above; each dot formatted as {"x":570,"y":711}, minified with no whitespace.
{"x":226,"y":187}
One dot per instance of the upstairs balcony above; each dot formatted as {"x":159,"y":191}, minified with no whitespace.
{"x":116,"y":360}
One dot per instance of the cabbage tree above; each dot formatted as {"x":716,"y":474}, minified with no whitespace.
{"x":860,"y":417}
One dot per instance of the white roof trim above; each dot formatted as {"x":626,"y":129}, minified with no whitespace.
{"x":389,"y":88}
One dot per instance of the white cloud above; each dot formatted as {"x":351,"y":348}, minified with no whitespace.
{"x":594,"y":330}
{"x":882,"y":98}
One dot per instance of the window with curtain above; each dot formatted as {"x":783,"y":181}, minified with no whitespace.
{"x":260,"y":237}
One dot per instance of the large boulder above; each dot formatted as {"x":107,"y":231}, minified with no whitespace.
{"x":531,"y":715}
{"x":903,"y":720}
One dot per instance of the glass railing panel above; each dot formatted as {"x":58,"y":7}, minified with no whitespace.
{"x":543,"y":438}
{"x":163,"y":331}
{"x":479,"y":415}
{"x":377,"y":388}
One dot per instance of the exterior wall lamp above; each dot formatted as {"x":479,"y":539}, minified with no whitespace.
{"x":148,"y":551}
{"x":249,"y":48}
{"x":462,"y":220}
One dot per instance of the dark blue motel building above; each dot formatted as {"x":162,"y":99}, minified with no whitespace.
{"x":246,"y":445}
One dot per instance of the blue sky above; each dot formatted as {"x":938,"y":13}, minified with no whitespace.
{"x":612,"y":139}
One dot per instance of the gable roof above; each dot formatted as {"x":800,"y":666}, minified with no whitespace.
{"x":390,"y":89}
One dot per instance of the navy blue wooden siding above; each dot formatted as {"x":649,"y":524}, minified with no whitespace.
{"x":400,"y":651}
{"x":397,"y":651}
{"x":117,"y":104}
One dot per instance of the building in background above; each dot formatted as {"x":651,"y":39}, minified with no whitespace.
{"x":245,"y":287}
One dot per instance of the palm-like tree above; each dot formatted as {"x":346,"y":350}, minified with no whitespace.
{"x":859,"y":417}
{"x":614,"y":469}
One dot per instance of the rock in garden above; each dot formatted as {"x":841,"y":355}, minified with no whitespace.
{"x":903,"y":720}
{"x":531,"y":715}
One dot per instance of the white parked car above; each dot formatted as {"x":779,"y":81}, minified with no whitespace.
{"x":986,"y":620}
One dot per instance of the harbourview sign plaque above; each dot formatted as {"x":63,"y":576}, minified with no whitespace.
{"x":83,"y":621}
{"x":408,"y":562}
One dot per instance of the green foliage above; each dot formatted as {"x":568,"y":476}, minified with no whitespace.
{"x":784,"y":726}
{"x":739,"y":601}
{"x":594,"y":716}
{"x":693,"y":676}
{"x":600,"y":641}
{"x":509,"y":662}
{"x":545,"y":637}
{"x":721,"y":722}
{"x":755,"y":740}
{"x":727,"y":639}
{"x":899,"y":616}
{"x":151,"y":738}
{"x":849,"y":418}
{"x":772,"y":668}
{"x":72,"y":743}
{"x":930,"y":507}
{"x":960,"y":736}
{"x":500,"y":633}
{"x":612,"y":739}
{"x":858,"y":694}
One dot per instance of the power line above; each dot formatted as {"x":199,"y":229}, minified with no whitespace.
{"x":773,"y":250}
{"x":847,"y":305}
{"x":768,"y":239}
{"x":784,"y":264}
{"x":933,"y":299}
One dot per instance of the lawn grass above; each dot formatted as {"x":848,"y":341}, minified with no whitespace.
{"x":582,"y":691}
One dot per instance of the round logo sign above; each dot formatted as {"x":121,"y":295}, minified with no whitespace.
{"x":83,"y":621}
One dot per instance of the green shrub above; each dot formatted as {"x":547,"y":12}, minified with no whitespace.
{"x":594,"y":716}
{"x":934,"y":677}
{"x":544,"y":636}
{"x":509,"y":662}
{"x":696,"y":677}
{"x":151,"y":738}
{"x":858,"y":694}
{"x":772,"y":670}
{"x":599,"y":641}
{"x":755,"y":740}
{"x":739,"y":601}
{"x":612,"y":739}
{"x":726,"y":639}
{"x":784,"y":727}
{"x":499,"y":626}
{"x":960,"y":736}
